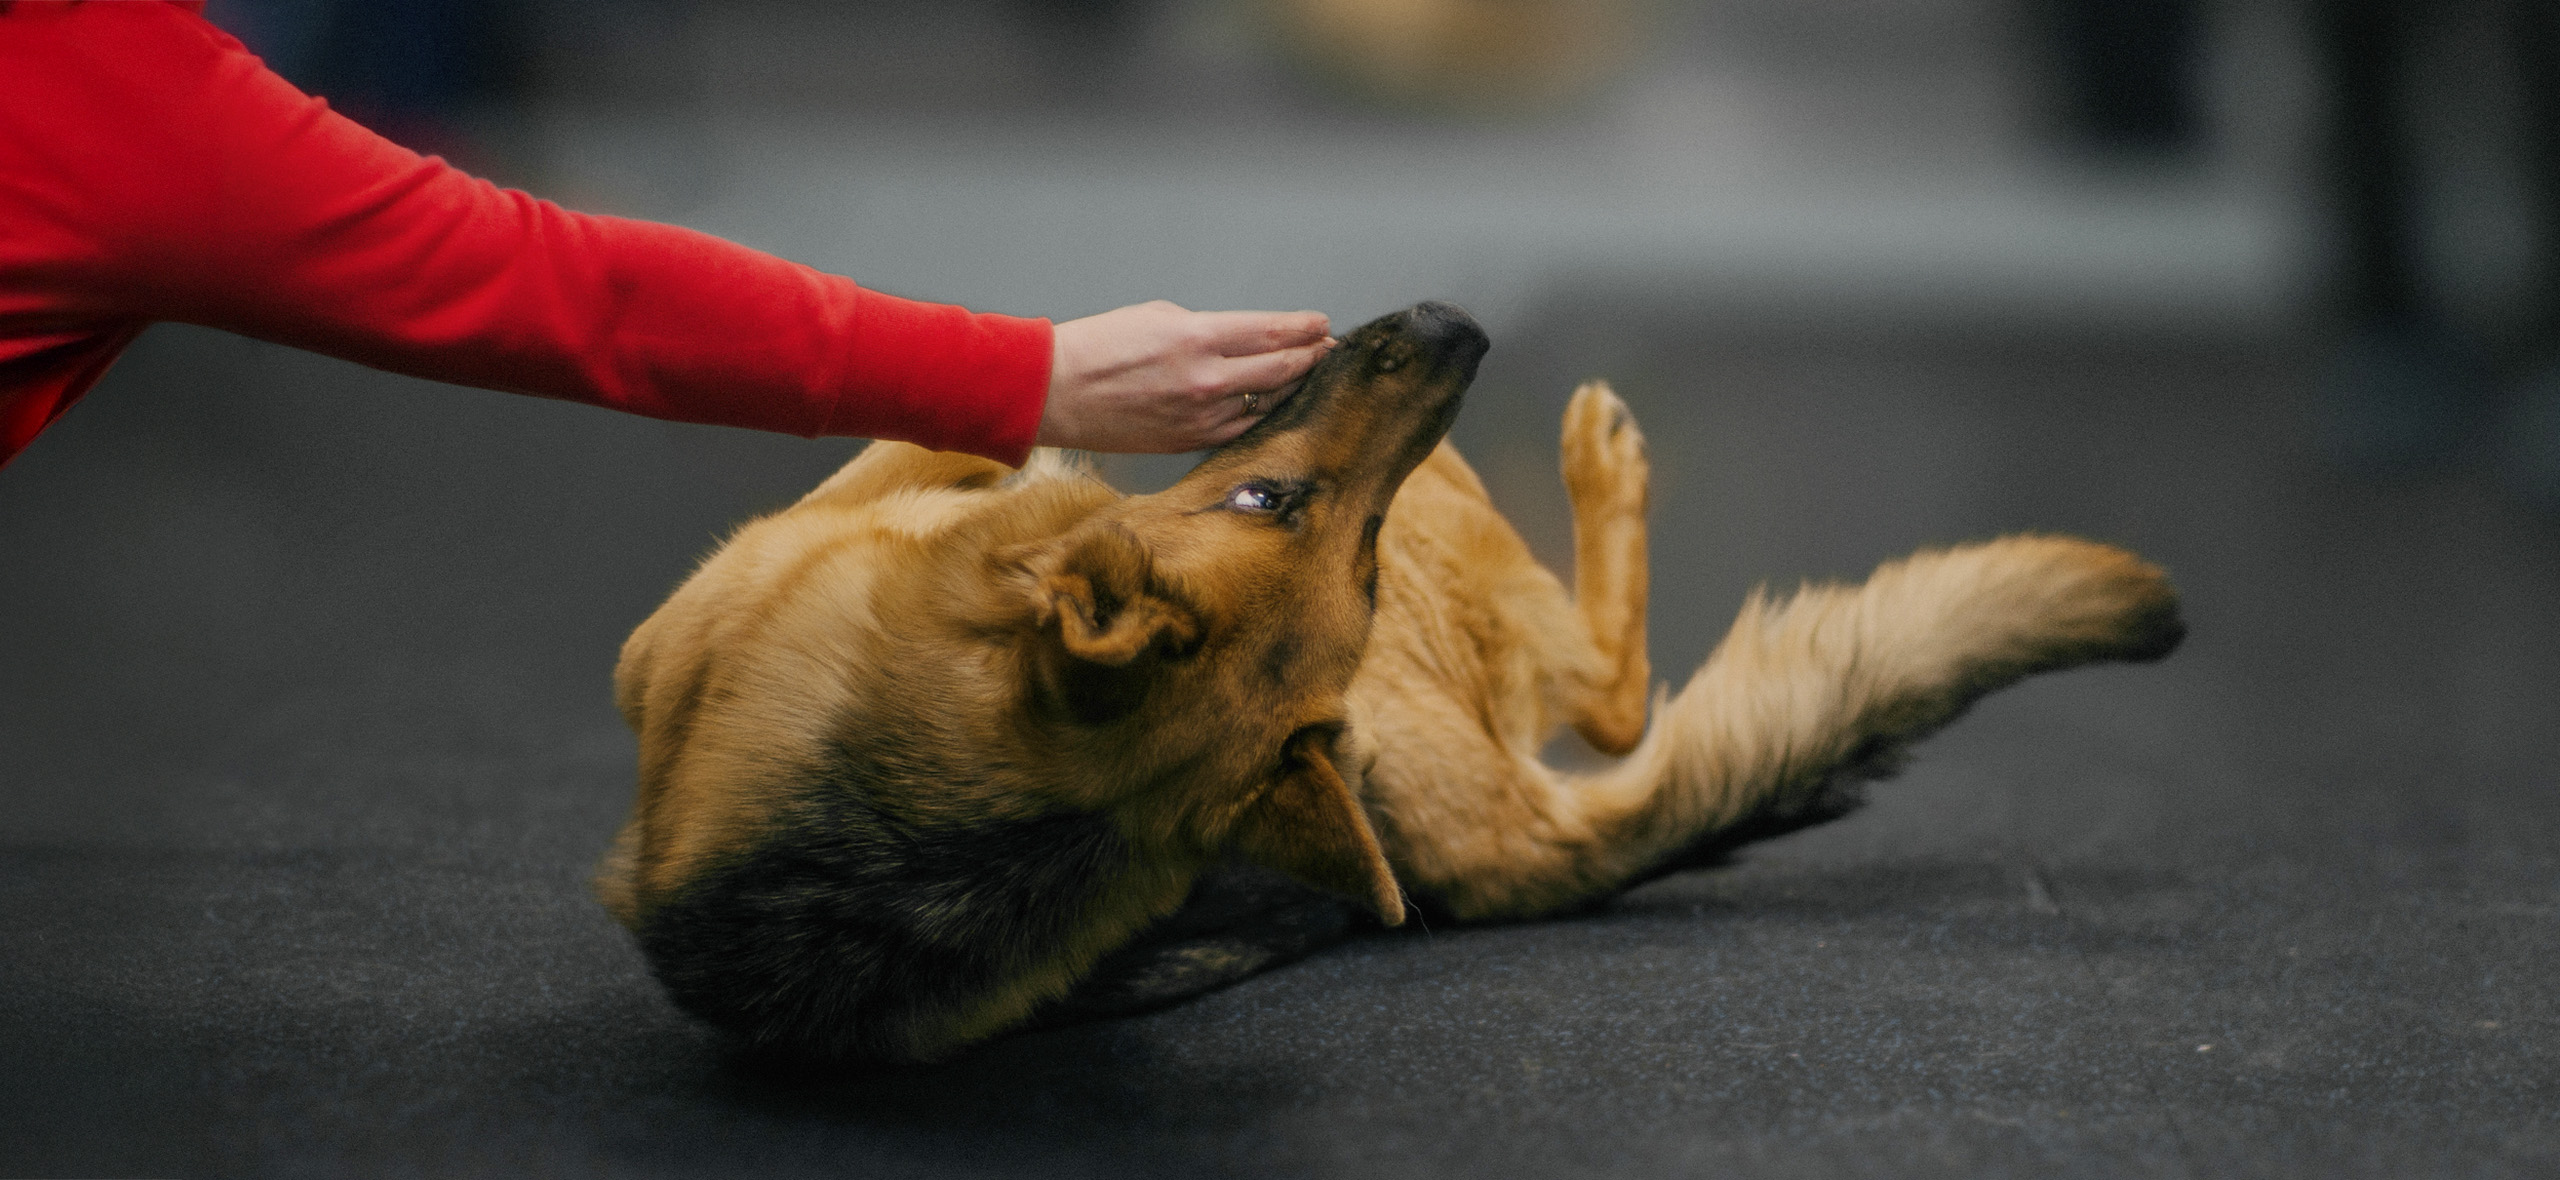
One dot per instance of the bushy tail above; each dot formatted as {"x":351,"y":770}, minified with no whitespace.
{"x":1812,"y":694}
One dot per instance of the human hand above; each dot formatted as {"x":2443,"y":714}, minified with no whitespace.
{"x":1153,"y":377}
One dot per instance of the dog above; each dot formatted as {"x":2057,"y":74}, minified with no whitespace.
{"x":927,"y":755}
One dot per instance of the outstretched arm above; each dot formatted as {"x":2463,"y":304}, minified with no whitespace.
{"x":151,"y":169}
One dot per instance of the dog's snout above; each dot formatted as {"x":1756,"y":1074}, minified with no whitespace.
{"x":1447,"y":330}
{"x":1443,"y":324}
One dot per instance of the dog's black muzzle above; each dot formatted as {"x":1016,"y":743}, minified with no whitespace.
{"x":1449,"y":334}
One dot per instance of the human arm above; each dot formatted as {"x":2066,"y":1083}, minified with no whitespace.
{"x":151,"y":169}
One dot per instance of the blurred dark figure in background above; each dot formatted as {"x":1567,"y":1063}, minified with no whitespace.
{"x":2125,"y":72}
{"x":410,"y":70}
{"x":2414,"y":383}
{"x":2411,"y":387}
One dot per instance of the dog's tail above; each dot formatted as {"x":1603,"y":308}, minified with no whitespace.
{"x":1811,"y":695}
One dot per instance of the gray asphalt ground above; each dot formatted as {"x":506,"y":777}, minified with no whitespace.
{"x":309,"y":749}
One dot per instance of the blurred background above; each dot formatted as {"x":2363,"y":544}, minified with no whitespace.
{"x":308,"y":665}
{"x":2125,"y":161}
{"x":1874,"y":272}
{"x":2384,"y":172}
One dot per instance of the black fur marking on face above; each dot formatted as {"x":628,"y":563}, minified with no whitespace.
{"x":1292,"y":413}
{"x":848,"y":929}
{"x":1279,"y":660}
{"x":1099,"y":694}
{"x":1369,"y":559}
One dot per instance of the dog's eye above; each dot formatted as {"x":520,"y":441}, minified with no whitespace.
{"x":1254,"y":497}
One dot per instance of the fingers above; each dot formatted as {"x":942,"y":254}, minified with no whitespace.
{"x":1228,"y":376}
{"x":1245,"y":333}
{"x":1222,"y":435}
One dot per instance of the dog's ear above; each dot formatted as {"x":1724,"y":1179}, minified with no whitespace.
{"x":1105,"y":623}
{"x":1101,"y":596}
{"x":1310,"y":826}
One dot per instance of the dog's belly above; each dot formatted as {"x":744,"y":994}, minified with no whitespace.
{"x":1459,"y":688}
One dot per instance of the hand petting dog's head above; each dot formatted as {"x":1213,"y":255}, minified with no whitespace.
{"x":1244,"y":594}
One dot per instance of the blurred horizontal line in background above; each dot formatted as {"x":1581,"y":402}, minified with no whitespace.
{"x":1910,"y":160}
{"x":1064,"y":218}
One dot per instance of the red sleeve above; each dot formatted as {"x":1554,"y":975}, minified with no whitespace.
{"x":156,"y":170}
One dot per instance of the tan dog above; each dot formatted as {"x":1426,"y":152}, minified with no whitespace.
{"x":919,"y":751}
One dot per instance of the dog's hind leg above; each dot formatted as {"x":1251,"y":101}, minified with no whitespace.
{"x":1608,"y":477}
{"x":1807,"y":697}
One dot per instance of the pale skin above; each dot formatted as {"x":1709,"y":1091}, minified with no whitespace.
{"x":1157,"y":378}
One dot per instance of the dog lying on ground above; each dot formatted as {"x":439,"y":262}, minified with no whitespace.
{"x":920,"y":751}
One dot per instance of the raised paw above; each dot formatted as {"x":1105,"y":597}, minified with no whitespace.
{"x":1605,"y":468}
{"x":1607,"y":474}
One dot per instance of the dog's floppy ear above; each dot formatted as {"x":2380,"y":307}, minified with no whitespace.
{"x":1310,"y":826}
{"x":1105,"y":622}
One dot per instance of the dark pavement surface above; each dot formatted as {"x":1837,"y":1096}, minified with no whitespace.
{"x":306,"y":746}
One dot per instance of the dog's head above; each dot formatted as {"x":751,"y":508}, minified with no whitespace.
{"x":1194,"y":646}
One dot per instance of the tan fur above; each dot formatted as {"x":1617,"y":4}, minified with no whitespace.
{"x":1216,"y":685}
{"x":737,"y":679}
{"x":741,"y":641}
{"x":1479,"y":657}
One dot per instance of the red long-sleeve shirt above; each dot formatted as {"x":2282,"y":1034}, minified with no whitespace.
{"x":152,"y":169}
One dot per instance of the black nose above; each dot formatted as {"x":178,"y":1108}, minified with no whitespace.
{"x":1447,"y":329}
